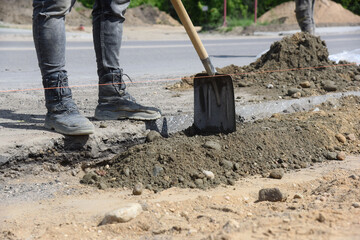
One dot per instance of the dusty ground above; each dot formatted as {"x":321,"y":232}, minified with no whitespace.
{"x":60,"y":208}
{"x":42,"y":197}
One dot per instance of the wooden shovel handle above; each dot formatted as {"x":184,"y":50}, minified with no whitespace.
{"x":189,"y":27}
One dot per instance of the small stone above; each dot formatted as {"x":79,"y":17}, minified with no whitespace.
{"x":298,"y":196}
{"x":103,"y":125}
{"x":357,"y":78}
{"x":102,"y":186}
{"x":199,"y":182}
{"x":277,"y":173}
{"x":167,"y":178}
{"x":157,"y":170}
{"x":341,"y":156}
{"x":227,"y":164}
{"x":356,"y":205}
{"x":330,"y":155}
{"x":144,"y":205}
{"x":354,"y":177}
{"x":292,"y":91}
{"x":296,"y":95}
{"x":138,"y":189}
{"x":270,"y":86}
{"x":298,"y":128}
{"x":185,"y":215}
{"x":209,"y":174}
{"x":74,"y":173}
{"x":212,"y":145}
{"x":351,"y":137}
{"x":89,"y":178}
{"x":231,"y":226}
{"x":329,"y":86}
{"x":236,"y":166}
{"x":242,"y":84}
{"x":271,"y":194}
{"x":127,"y":172}
{"x":305,"y":84}
{"x":320,"y":218}
{"x":304,"y":164}
{"x":231,"y":182}
{"x":123,"y":214}
{"x":181,"y":179}
{"x":341,"y":138}
{"x":152,"y":136}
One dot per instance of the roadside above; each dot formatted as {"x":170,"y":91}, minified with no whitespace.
{"x":322,"y":203}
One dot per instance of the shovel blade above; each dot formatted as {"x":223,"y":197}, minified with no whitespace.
{"x":214,"y":114}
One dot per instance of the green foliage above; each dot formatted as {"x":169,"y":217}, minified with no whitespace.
{"x":87,"y":3}
{"x":352,"y":5}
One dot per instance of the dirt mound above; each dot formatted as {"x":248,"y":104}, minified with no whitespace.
{"x":297,"y":51}
{"x":284,"y":141}
{"x":296,"y":66}
{"x":148,"y":15}
{"x":325,"y":12}
{"x":20,"y":12}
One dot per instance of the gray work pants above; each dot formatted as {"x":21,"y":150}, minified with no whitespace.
{"x":49,"y":34}
{"x":305,"y":15}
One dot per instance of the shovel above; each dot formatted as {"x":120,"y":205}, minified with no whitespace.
{"x":214,"y":107}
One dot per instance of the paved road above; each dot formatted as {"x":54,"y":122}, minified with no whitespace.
{"x":144,"y":60}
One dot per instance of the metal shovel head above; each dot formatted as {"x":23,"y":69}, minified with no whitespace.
{"x":212,"y":113}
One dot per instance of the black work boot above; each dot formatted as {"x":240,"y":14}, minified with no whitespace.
{"x":63,"y":115}
{"x":115,"y":103}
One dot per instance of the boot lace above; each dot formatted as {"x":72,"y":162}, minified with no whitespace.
{"x":120,"y":86}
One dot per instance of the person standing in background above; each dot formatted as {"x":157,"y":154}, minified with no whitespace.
{"x":304,"y":10}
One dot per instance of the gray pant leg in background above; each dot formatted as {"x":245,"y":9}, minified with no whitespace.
{"x":305,"y":15}
{"x":108,"y":18}
{"x":49,"y":34}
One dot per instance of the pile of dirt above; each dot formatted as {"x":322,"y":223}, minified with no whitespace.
{"x":296,"y":66}
{"x":291,"y":141}
{"x":148,"y":15}
{"x":325,"y":12}
{"x":20,"y":12}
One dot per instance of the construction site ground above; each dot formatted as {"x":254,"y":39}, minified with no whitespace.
{"x":60,"y":187}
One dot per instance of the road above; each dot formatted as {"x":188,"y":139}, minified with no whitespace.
{"x":144,"y":60}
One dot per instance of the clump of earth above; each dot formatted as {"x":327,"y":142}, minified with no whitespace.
{"x":296,"y":66}
{"x":291,"y":141}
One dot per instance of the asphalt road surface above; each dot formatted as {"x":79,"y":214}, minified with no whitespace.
{"x":144,"y":60}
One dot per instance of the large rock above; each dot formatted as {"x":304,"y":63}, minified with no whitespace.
{"x":123,"y":214}
{"x":271,"y":194}
{"x":277,"y":173}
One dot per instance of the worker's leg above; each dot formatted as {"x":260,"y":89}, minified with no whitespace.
{"x":49,"y":39}
{"x":114,"y":101}
{"x":312,"y":16}
{"x":305,"y":15}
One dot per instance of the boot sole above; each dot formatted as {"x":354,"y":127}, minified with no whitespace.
{"x":70,"y":131}
{"x":122,"y":115}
